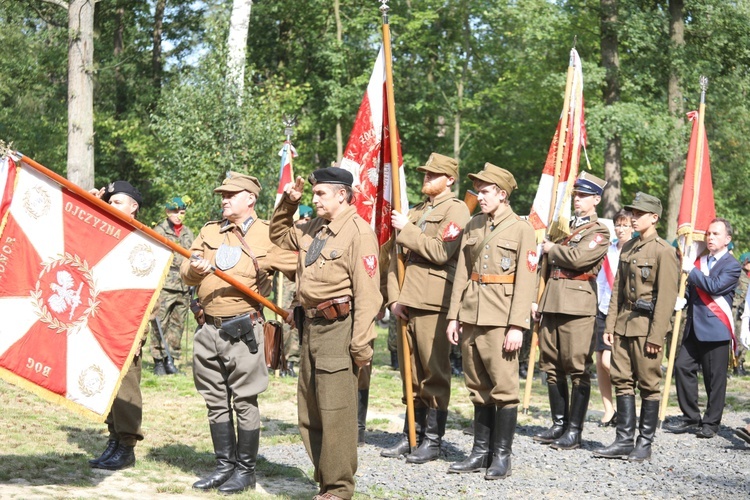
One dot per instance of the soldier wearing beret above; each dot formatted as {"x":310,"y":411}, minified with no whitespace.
{"x":174,"y":300}
{"x":568,"y":311}
{"x":229,"y":367}
{"x":429,"y":235}
{"x":490,"y":306}
{"x":338,"y":287}
{"x":125,"y":416}
{"x":639,"y":318}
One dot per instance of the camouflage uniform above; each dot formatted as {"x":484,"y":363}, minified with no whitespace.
{"x":738,"y":306}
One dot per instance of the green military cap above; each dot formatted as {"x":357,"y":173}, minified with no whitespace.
{"x":588,"y":183}
{"x":175,"y":203}
{"x":645,"y":203}
{"x":745,"y":258}
{"x":236,"y":182}
{"x":495,"y":175}
{"x":331,"y":175}
{"x":305,"y":211}
{"x":440,"y":164}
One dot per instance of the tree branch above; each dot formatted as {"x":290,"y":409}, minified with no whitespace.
{"x":59,"y":3}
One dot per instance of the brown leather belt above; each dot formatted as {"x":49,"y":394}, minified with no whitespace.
{"x":493,"y":278}
{"x":218,"y":320}
{"x":558,"y":273}
{"x":333,"y":309}
{"x":414,"y":258}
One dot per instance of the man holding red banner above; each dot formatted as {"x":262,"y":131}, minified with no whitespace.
{"x":709,"y":332}
{"x":430,"y":236}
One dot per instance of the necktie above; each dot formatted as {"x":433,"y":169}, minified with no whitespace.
{"x":711,"y":262}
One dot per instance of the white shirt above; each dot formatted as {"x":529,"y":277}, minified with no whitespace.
{"x":604,"y":292}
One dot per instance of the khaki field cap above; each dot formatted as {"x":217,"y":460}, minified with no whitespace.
{"x":496,"y":175}
{"x":588,"y":183}
{"x":440,"y":164}
{"x":236,"y":182}
{"x":645,"y":203}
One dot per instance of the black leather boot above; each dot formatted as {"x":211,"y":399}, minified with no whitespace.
{"x":123,"y":457}
{"x":363,"y":400}
{"x":108,"y":451}
{"x":222,"y":436}
{"x":433,"y":435}
{"x":484,"y":419}
{"x":169,"y":367}
{"x":623,"y":444}
{"x":646,"y":431}
{"x":502,"y":442}
{"x":579,"y":404}
{"x":247,"y":453}
{"x":394,"y":360}
{"x":402,"y":447}
{"x":159,"y":368}
{"x":558,"y":406}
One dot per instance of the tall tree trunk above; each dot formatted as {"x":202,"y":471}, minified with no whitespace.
{"x":677,"y":110}
{"x":237,"y":46}
{"x":81,"y":93}
{"x":120,"y":84}
{"x":339,"y":39}
{"x":157,"y":61}
{"x":611,"y":63}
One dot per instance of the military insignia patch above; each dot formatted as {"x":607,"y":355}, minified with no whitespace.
{"x":371,"y":264}
{"x":532,"y":260}
{"x":451,"y":232}
{"x":597,"y":239}
{"x":645,"y":272}
{"x":505,"y":263}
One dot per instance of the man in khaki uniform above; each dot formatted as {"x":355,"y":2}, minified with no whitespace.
{"x":174,"y":300}
{"x":489,"y":309}
{"x":738,"y":307}
{"x":229,"y":366}
{"x":338,"y":287}
{"x":125,"y":417}
{"x":639,"y":317}
{"x":568,"y":312}
{"x":429,"y":235}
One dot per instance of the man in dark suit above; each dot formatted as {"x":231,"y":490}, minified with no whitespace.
{"x":709,"y":331}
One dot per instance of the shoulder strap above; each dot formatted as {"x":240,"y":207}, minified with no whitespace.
{"x":501,"y":227}
{"x":247,"y":247}
{"x":578,"y":230}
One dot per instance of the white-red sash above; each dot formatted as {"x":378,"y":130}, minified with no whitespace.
{"x":717,"y":304}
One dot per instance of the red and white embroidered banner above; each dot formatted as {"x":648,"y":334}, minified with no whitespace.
{"x":368,"y":157}
{"x":286,"y":172}
{"x":78,"y":284}
{"x":573,"y":120}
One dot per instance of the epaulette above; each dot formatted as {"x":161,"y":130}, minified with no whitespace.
{"x":213,"y":222}
{"x":264,"y":221}
{"x":662,"y":242}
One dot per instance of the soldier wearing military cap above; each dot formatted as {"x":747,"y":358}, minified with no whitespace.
{"x":174,"y":300}
{"x":490,"y":306}
{"x":125,"y":416}
{"x":229,"y":366}
{"x":639,"y":318}
{"x":429,"y":236}
{"x":339,"y":295}
{"x":568,"y":311}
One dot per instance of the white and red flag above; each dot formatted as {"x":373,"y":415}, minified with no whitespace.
{"x":77,"y":286}
{"x":286,"y":172}
{"x":368,"y":156}
{"x":564,"y":154}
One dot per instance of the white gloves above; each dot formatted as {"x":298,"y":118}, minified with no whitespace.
{"x":688,"y":264}
{"x":680,"y":304}
{"x":745,"y":332}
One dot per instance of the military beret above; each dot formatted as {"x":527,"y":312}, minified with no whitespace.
{"x":305,"y":211}
{"x":645,"y":203}
{"x":588,"y":183}
{"x":175,"y":203}
{"x":236,"y":182}
{"x":440,"y":164}
{"x":123,"y":187}
{"x":495,"y":175}
{"x":744,"y":258}
{"x":331,"y":175}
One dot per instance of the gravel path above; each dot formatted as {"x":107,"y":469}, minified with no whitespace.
{"x":682,"y":466}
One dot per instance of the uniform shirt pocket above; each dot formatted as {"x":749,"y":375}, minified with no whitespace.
{"x":332,"y":266}
{"x":332,"y":377}
{"x":432,"y":223}
{"x":507,"y":254}
{"x":646,"y":269}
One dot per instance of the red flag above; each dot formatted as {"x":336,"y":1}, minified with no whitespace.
{"x":702,"y":191}
{"x":368,"y":156}
{"x":574,"y":139}
{"x":79,"y":285}
{"x":286,"y":172}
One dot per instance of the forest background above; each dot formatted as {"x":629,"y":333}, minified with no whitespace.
{"x":177,"y":100}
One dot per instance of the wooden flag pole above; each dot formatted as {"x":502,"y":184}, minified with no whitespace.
{"x":688,"y":245}
{"x":396,"y":203}
{"x":561,"y":141}
{"x":147,"y":230}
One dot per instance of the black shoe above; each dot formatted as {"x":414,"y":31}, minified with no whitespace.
{"x":558,"y":405}
{"x":123,"y":457}
{"x":523,"y":370}
{"x":612,"y":422}
{"x":243,"y":477}
{"x":225,"y":446}
{"x":362,"y":400}
{"x":623,"y":445}
{"x":647,"y":429}
{"x":169,"y":367}
{"x":579,"y":403}
{"x":706,"y":432}
{"x":480,"y":456}
{"x":108,"y":451}
{"x":159,"y":368}
{"x":403,"y":447}
{"x":502,"y":443}
{"x":429,"y":450}
{"x":680,"y":426}
{"x":394,"y":360}
{"x":457,"y":367}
